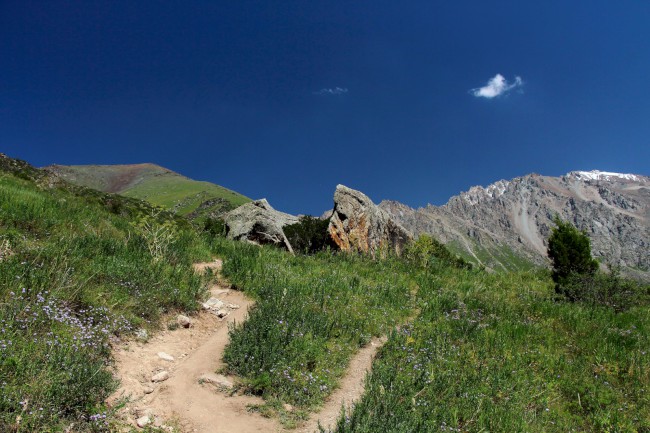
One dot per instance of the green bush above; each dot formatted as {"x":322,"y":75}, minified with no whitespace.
{"x":427,"y":251}
{"x":309,"y":235}
{"x":215,"y":226}
{"x":605,"y":289}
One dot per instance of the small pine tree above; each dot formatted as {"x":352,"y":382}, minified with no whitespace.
{"x":570,"y":251}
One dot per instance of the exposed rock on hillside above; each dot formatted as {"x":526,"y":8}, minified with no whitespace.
{"x":257,"y":222}
{"x":357,"y":224}
{"x":489,"y":224}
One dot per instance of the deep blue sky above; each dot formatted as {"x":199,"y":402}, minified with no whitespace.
{"x":232,"y":92}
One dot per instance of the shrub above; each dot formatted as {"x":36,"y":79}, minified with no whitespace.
{"x":427,"y":251}
{"x":605,"y":289}
{"x":215,"y":226}
{"x":309,"y":235}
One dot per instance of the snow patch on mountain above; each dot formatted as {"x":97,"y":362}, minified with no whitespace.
{"x":603,"y":175}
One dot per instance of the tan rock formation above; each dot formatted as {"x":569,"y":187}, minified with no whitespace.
{"x":357,"y":224}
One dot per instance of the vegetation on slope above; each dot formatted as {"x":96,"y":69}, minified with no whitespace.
{"x":497,"y":353}
{"x":76,"y":268}
{"x":312,"y":314}
{"x":467,"y":350}
{"x":155,"y":184}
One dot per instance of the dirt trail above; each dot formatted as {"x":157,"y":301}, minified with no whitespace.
{"x":189,"y":406}
{"x":350,"y":389}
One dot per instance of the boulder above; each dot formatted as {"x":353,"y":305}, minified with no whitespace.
{"x":257,"y":222}
{"x":357,"y":224}
{"x":183,"y":321}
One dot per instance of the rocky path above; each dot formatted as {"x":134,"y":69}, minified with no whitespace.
{"x":170,"y":379}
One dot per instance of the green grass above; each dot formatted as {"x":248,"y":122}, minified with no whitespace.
{"x":75,"y":271}
{"x":312,"y":314}
{"x":152,"y":183}
{"x":496,"y":353}
{"x":181,"y":194}
{"x":500,"y":258}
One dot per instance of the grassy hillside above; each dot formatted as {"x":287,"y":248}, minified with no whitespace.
{"x":152,"y":183}
{"x":475,"y":351}
{"x":78,"y":268}
{"x":467,"y":350}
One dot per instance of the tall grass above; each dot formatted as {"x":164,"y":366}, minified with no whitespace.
{"x":497,"y":353}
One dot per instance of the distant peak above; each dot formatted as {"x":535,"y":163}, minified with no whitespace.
{"x":603,"y":175}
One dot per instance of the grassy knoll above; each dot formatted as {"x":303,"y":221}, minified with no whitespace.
{"x":77,"y":267}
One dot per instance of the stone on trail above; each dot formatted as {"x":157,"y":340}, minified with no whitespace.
{"x":213,"y":304}
{"x":218,"y":380}
{"x":147,"y":390}
{"x":165,"y":356}
{"x":143,"y":421}
{"x":183,"y":321}
{"x":222,"y":313}
{"x":160,"y":377}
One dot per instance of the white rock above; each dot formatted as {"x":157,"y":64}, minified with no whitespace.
{"x":143,"y":421}
{"x":213,"y":304}
{"x":218,"y":380}
{"x":160,"y":377}
{"x":233,"y":306}
{"x":165,"y":356}
{"x":147,"y":390}
{"x":222,"y":313}
{"x":183,"y":321}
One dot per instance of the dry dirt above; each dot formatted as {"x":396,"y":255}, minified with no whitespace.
{"x":189,"y":406}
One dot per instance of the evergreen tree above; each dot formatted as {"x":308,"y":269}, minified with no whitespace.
{"x":570,"y":251}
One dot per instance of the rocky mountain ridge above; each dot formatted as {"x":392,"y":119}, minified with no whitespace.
{"x":513,"y":218}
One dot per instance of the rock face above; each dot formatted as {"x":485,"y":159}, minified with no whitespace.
{"x":257,"y":222}
{"x":489,"y":225}
{"x":357,"y":224}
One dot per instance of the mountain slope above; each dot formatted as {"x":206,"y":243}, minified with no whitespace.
{"x":495,"y":224}
{"x":154,"y":184}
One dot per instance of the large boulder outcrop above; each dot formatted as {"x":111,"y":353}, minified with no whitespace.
{"x":357,"y":224}
{"x":257,"y":222}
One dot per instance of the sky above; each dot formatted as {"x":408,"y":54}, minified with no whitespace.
{"x":413,"y":101}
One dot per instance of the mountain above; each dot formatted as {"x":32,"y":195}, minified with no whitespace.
{"x":506,"y":224}
{"x":155,"y":184}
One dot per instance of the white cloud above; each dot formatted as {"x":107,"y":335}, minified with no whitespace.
{"x":334,"y":91}
{"x":497,"y":85}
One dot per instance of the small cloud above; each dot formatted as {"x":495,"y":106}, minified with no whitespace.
{"x":497,"y":86}
{"x":334,"y":91}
